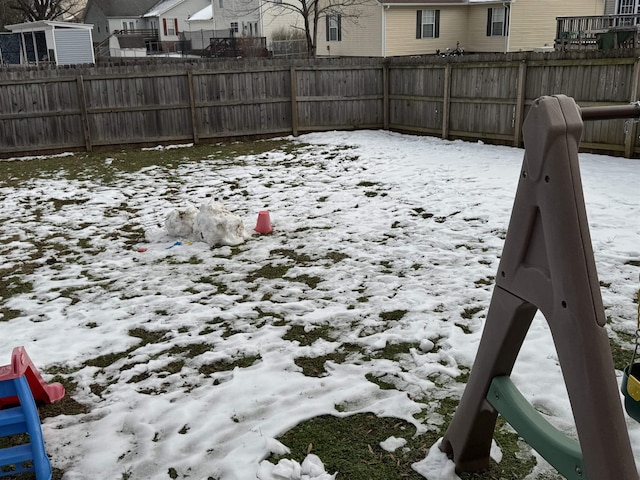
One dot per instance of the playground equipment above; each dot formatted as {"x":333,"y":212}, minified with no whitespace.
{"x":21,"y":365}
{"x":20,"y":382}
{"x":547,"y":264}
{"x":630,"y":385}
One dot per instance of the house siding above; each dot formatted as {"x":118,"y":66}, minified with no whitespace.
{"x":401,"y":31}
{"x":478,"y":40}
{"x":533,"y":22}
{"x":275,"y":18}
{"x":95,"y":16}
{"x":180,"y":12}
{"x":361,"y":38}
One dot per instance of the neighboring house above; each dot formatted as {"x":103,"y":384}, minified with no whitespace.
{"x":126,"y":27}
{"x":386,"y":28}
{"x":224,"y":18}
{"x":111,"y":16}
{"x":171,"y":18}
{"x":62,"y":43}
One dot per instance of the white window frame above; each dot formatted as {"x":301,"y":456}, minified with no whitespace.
{"x":428,"y":29}
{"x":235,"y":27}
{"x":498,"y":19}
{"x":171,"y":27}
{"x":334,"y":28}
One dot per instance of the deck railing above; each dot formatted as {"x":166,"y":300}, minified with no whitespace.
{"x":597,"y":32}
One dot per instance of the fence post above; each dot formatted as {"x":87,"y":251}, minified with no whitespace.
{"x":294,"y":102}
{"x":520,"y":101}
{"x":385,"y":96}
{"x":446,"y":101}
{"x":192,"y":105}
{"x":631,"y":130}
{"x":82,"y":101}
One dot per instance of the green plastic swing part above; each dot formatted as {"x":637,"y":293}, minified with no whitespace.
{"x":630,"y":388}
{"x":563,"y":453}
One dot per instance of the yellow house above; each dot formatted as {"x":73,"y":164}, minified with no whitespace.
{"x":384,"y":28}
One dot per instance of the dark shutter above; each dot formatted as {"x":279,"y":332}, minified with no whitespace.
{"x":489,"y":22}
{"x":175,"y":23}
{"x":164,"y":24}
{"x":327,"y":24}
{"x":436,"y":27}
{"x":419,"y":24}
{"x":339,"y":28}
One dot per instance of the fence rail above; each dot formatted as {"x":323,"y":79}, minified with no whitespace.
{"x":476,"y":98}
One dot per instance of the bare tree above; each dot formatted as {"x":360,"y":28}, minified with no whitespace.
{"x":33,"y":10}
{"x":8,"y":15}
{"x":311,"y":11}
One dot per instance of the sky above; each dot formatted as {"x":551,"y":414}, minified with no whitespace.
{"x":364,"y":223}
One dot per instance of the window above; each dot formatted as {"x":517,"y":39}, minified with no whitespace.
{"x":334,"y":33}
{"x":498,"y":22}
{"x":627,"y":7}
{"x":124,"y":26}
{"x":428,"y":24}
{"x":170,"y":26}
{"x":234,"y":27}
{"x":221,"y":3}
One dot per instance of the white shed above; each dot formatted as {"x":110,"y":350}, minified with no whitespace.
{"x":61,"y":42}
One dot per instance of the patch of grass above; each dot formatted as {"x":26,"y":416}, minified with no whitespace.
{"x":351,"y":446}
{"x":469,"y":312}
{"x":488,"y":281}
{"x":392,"y":350}
{"x":464,"y":328}
{"x":384,"y":385}
{"x":103,"y":361}
{"x":270,"y":272}
{"x":315,"y":366}
{"x":7,"y":314}
{"x":309,"y":280}
{"x":225,"y":366}
{"x":66,"y":405}
{"x":393,"y":315}
{"x":307,"y":337}
{"x":621,"y":355}
{"x":635,"y":263}
{"x":291,"y":254}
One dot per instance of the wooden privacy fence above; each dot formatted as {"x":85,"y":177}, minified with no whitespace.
{"x":474,"y":97}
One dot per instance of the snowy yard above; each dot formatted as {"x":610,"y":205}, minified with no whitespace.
{"x":368,"y":297}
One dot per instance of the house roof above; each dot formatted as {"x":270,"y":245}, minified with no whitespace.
{"x":46,"y":25}
{"x":119,"y":8}
{"x":205,"y":14}
{"x":162,"y":7}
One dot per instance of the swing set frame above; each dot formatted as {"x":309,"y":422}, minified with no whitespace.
{"x":547,"y":264}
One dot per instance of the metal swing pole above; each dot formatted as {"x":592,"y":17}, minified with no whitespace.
{"x":610,"y":112}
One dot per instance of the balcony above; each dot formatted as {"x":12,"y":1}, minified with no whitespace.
{"x":146,"y":33}
{"x":597,"y":32}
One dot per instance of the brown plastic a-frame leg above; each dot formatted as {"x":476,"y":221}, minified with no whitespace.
{"x":548,"y":264}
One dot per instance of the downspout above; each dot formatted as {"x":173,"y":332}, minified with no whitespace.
{"x":384,"y":30}
{"x":508,"y":20}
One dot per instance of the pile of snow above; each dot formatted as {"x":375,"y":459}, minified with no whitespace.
{"x":311,"y":468}
{"x":212,"y":224}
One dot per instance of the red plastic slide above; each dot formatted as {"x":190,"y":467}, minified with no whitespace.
{"x":21,"y":364}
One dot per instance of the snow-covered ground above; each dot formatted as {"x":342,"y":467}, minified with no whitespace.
{"x":379,"y":239}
